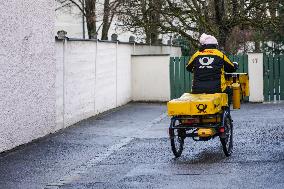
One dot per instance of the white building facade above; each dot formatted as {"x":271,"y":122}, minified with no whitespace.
{"x":70,"y":19}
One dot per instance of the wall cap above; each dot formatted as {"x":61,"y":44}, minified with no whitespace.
{"x":150,"y":55}
{"x":107,"y":41}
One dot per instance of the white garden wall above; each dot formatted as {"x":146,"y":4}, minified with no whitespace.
{"x":93,"y":77}
{"x":150,"y":78}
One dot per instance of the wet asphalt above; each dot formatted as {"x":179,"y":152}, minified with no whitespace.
{"x":129,"y":148}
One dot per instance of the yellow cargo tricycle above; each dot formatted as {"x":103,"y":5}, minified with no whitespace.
{"x":206,"y":116}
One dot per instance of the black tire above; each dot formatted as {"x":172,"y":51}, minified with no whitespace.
{"x":177,"y":137}
{"x":227,"y":137}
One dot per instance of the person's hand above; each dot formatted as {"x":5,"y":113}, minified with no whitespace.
{"x":236,"y":65}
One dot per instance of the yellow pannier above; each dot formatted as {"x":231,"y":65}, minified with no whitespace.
{"x":197,"y":104}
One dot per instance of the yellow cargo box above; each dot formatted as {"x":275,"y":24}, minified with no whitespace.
{"x":197,"y":104}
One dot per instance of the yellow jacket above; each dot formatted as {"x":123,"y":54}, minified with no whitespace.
{"x":209,"y":67}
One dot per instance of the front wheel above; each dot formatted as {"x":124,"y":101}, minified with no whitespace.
{"x":177,"y":139}
{"x":227,"y":137}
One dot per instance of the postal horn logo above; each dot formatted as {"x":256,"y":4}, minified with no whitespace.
{"x":216,"y":105}
{"x":205,"y":62}
{"x":201,"y":108}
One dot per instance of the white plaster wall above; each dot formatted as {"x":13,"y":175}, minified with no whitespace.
{"x":98,"y":77}
{"x":79,"y":81}
{"x":123,"y":74}
{"x":27,"y":71}
{"x":255,"y":69}
{"x":150,"y":78}
{"x":106,"y":77}
{"x":59,"y":56}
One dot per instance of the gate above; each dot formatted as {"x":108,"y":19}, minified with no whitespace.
{"x":273,"y":67}
{"x":181,"y":79}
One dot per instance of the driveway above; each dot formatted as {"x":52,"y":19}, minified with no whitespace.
{"x":129,"y":148}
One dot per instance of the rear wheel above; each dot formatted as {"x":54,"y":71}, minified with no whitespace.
{"x":227,"y":137}
{"x":177,"y":137}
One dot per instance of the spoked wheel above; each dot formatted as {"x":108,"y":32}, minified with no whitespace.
{"x":227,"y":137}
{"x":177,"y":137}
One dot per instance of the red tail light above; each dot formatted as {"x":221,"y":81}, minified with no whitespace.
{"x":190,"y":121}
